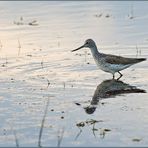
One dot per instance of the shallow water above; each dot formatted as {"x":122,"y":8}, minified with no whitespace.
{"x":85,"y":108}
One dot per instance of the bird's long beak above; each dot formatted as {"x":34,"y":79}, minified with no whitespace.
{"x":78,"y":48}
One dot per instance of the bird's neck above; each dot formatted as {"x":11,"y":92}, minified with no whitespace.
{"x":94,"y":51}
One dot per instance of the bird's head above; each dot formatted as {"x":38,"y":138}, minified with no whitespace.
{"x":89,"y":43}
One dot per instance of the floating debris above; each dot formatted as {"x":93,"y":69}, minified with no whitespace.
{"x":95,"y":129}
{"x":62,"y":117}
{"x":19,"y":47}
{"x":64,"y":85}
{"x":33,"y":23}
{"x":42,"y":65}
{"x":107,"y":16}
{"x":78,"y":104}
{"x":48,"y":83}
{"x":103,"y":103}
{"x":100,"y":15}
{"x":136,"y":140}
{"x":21,"y":18}
{"x":29,"y":55}
{"x":131,"y":15}
{"x":1,"y":45}
{"x":21,"y":22}
{"x":3,"y":65}
{"x":4,"y":131}
{"x":18,"y":23}
{"x":81,"y":124}
{"x":103,"y":132}
{"x":107,"y":130}
{"x":92,"y":121}
{"x":96,"y":15}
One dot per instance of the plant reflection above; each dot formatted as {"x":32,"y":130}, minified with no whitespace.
{"x":107,"y":89}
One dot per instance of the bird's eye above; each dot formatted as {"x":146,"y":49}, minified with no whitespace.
{"x":86,"y":42}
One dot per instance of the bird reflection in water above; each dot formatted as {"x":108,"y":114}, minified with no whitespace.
{"x":109,"y":89}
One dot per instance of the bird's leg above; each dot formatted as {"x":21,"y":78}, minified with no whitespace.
{"x":113,"y":76}
{"x":120,"y":75}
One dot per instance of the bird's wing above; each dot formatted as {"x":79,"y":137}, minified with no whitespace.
{"x":112,"y":59}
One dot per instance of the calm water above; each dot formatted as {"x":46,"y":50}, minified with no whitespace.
{"x":52,"y":97}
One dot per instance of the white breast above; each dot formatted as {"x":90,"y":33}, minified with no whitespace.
{"x":111,"y":68}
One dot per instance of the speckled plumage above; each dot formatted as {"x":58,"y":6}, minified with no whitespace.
{"x":107,"y":62}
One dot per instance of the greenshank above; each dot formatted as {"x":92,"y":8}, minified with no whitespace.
{"x":107,"y":62}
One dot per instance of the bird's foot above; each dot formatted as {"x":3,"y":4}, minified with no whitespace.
{"x":119,"y":76}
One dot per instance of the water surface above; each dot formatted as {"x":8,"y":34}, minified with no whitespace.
{"x":52,"y":97}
